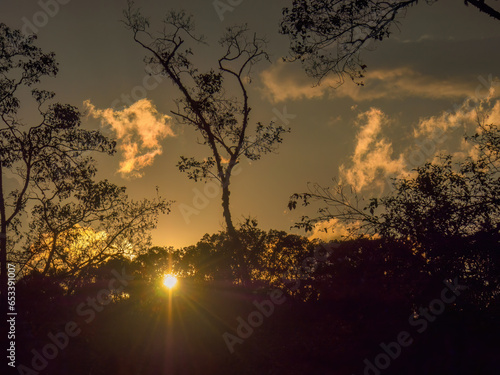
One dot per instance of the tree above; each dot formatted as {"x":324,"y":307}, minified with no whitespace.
{"x":87,"y":226}
{"x":263,"y":258}
{"x":341,"y":204}
{"x":448,"y":214}
{"x":327,"y":36}
{"x":50,"y":162}
{"x":157,"y":261}
{"x":208,"y":101}
{"x":443,"y":200}
{"x":216,"y":258}
{"x":51,"y":148}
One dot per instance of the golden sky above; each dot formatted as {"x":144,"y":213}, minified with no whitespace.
{"x":421,"y":88}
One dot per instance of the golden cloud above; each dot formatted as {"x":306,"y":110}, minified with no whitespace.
{"x":465,"y":117}
{"x":285,"y":81}
{"x":373,"y":161}
{"x":373,"y":154}
{"x":139,"y":130}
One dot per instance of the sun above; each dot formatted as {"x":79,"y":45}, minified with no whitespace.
{"x":169,"y":281}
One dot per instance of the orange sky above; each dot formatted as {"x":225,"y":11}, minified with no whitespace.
{"x":414,"y":105}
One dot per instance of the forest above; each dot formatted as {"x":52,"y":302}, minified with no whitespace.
{"x":410,"y":285}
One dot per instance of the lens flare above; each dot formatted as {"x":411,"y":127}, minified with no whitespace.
{"x":169,"y":281}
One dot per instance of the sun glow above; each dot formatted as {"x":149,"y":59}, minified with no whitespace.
{"x":169,"y":281}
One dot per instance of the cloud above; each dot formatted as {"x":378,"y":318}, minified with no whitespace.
{"x":464,"y":115}
{"x":427,"y":38}
{"x":373,"y":154}
{"x":335,"y":229}
{"x":374,"y":161}
{"x":436,"y":131}
{"x":139,"y":130}
{"x":285,"y":81}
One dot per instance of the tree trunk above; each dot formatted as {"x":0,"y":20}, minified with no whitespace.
{"x":234,"y":240}
{"x":231,"y":230}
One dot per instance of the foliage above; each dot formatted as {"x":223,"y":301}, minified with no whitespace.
{"x":340,"y":202}
{"x":95,"y":223}
{"x":76,"y":221}
{"x":327,"y":36}
{"x":263,"y":258}
{"x":448,"y":214}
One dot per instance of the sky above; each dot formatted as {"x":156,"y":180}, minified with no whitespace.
{"x":421,"y":92}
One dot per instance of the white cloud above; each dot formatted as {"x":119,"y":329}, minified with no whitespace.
{"x":139,"y":130}
{"x":374,"y":161}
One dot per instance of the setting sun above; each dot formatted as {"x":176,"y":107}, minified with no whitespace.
{"x":169,"y":281}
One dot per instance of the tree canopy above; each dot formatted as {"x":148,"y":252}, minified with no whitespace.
{"x":448,"y":213}
{"x":328,"y":36}
{"x":50,"y":159}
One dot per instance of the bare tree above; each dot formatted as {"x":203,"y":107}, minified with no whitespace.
{"x":215,"y":103}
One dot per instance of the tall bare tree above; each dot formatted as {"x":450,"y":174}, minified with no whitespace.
{"x":215,"y":103}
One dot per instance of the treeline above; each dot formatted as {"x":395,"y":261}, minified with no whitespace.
{"x":414,"y":289}
{"x":342,"y":300}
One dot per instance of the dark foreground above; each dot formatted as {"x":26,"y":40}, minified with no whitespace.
{"x":194,"y":329}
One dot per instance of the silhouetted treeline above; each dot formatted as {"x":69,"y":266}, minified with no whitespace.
{"x":335,"y":310}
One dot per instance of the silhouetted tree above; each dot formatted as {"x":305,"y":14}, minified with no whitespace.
{"x":86,"y":225}
{"x":215,"y":258}
{"x":282,"y":260}
{"x":157,"y":261}
{"x":215,"y":103}
{"x":263,"y":258}
{"x":448,"y":214}
{"x":46,"y":168}
{"x":328,"y":35}
{"x":340,"y":203}
{"x":35,"y":154}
